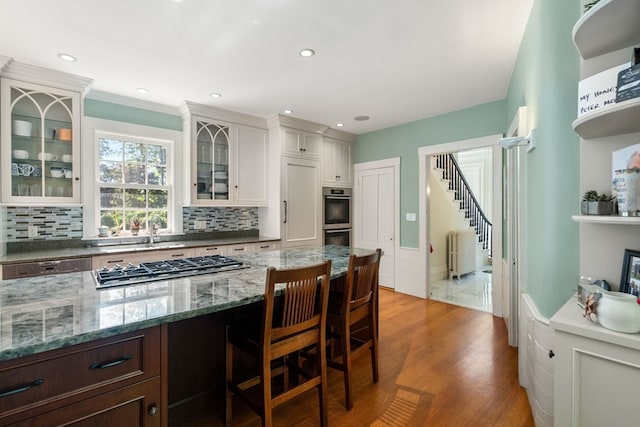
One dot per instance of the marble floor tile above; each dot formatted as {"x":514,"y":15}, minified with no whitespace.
{"x":472,"y":290}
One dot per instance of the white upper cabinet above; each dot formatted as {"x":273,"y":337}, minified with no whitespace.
{"x":227,"y":157}
{"x":337,"y":164}
{"x":251,"y":187}
{"x":301,"y":144}
{"x":40,"y":144}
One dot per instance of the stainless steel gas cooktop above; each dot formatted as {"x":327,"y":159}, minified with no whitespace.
{"x":119,"y":275}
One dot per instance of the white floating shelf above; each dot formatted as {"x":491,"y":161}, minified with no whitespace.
{"x":619,"y":119}
{"x":608,"y":26}
{"x":607,"y":219}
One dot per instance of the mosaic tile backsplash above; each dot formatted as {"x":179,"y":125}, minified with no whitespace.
{"x":62,"y":223}
{"x":220,"y":219}
{"x":51,"y":222}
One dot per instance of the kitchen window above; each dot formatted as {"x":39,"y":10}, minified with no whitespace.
{"x":134,"y":187}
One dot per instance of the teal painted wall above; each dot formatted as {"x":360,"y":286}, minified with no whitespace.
{"x":403,"y":141}
{"x":122,"y":113}
{"x":545,"y":79}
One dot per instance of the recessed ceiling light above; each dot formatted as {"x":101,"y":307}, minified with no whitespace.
{"x":340,"y":125}
{"x":307,"y":52}
{"x":288,"y":111}
{"x":361,"y":118}
{"x":67,"y":57}
{"x":215,"y":95}
{"x":142,"y":90}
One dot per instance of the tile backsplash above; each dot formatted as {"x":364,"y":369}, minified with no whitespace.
{"x":51,"y":222}
{"x":220,"y":219}
{"x":62,"y":223}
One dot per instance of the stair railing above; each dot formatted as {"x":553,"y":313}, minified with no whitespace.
{"x":463,"y":194}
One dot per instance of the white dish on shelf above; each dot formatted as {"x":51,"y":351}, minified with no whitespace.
{"x":22,"y":128}
{"x":221,"y":175}
{"x":220,"y":187}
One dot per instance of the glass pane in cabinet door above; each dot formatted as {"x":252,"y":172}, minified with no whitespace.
{"x":204,"y":159}
{"x":221,"y":165}
{"x":26,"y":168}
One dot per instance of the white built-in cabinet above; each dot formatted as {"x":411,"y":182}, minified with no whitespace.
{"x":337,"y":164}
{"x":311,"y":155}
{"x":597,"y":371}
{"x":227,"y":158}
{"x":40,"y":131}
{"x":298,"y":143}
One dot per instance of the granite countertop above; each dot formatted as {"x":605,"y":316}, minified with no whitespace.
{"x":49,"y":312}
{"x":104,"y":247}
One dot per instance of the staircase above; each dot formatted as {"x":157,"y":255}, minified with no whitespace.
{"x":463,"y":196}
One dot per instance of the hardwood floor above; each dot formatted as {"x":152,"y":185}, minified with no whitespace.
{"x":440,"y":365}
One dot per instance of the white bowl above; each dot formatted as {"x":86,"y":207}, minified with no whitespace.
{"x":57,"y":172}
{"x":20,"y":154}
{"x":22,"y":128}
{"x":220,"y":187}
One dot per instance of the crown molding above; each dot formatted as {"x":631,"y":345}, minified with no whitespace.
{"x":340,"y":134}
{"x":189,"y":108}
{"x":4,"y":61}
{"x":133,"y":102}
{"x":295,"y":123}
{"x":44,"y":76}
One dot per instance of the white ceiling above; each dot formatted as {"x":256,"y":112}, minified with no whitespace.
{"x":393,"y":60}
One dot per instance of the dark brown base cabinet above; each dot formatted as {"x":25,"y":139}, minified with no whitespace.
{"x":111,"y":381}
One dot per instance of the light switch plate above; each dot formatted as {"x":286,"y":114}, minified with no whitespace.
{"x":411,"y":216}
{"x":33,"y":231}
{"x":200,"y":224}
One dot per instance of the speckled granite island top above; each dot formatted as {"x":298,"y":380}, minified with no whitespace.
{"x":50,"y":312}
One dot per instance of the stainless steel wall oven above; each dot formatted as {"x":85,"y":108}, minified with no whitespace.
{"x":336,"y":216}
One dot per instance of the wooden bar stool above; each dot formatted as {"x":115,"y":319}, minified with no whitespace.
{"x":356,"y":307}
{"x":299,"y":323}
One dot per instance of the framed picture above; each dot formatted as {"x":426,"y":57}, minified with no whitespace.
{"x":630,"y":278}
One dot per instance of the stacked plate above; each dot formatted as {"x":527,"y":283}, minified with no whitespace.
{"x":220,"y":187}
{"x":221,"y":175}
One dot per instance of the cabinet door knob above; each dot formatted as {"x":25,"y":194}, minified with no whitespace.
{"x":77,"y":178}
{"x":551,"y":354}
{"x":153,"y":411}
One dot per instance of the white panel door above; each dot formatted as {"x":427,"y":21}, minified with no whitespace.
{"x":375,"y":217}
{"x":301,"y":202}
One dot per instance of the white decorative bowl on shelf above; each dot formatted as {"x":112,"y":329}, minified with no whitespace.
{"x":619,"y":311}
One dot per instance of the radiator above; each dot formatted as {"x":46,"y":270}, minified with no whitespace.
{"x":462,"y":252}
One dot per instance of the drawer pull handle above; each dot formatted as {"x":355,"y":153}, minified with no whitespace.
{"x":35,"y":383}
{"x":153,"y":411}
{"x":111,"y":363}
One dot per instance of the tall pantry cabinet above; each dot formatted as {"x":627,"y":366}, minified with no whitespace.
{"x":597,"y":371}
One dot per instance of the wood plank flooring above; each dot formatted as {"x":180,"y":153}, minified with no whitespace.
{"x":440,"y":365}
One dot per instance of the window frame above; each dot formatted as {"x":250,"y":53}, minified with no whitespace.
{"x":170,"y":186}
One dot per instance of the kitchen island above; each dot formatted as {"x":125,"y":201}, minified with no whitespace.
{"x":181,"y":320}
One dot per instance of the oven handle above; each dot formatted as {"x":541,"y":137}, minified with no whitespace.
{"x":285,"y":211}
{"x":340,"y":230}
{"x":337,"y":197}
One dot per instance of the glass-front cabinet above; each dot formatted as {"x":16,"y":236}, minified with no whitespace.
{"x":40,"y":140}
{"x":212,"y":152}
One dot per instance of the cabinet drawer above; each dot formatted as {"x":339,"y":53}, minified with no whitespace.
{"x":232,"y":250}
{"x":265,"y":246}
{"x":77,"y":372}
{"x":123,"y":259}
{"x":136,"y":405}
{"x":209,"y":250}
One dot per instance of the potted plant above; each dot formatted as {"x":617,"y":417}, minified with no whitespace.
{"x":597,"y":204}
